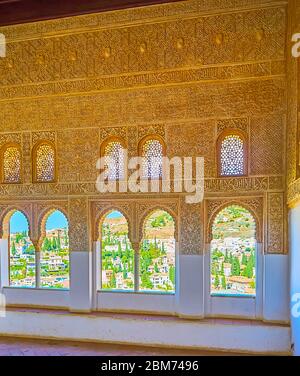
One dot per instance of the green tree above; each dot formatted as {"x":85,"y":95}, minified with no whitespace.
{"x":222,"y":269}
{"x":145,"y":281}
{"x":119,"y":249}
{"x":224,"y":282}
{"x":58,"y":241}
{"x":113,"y":281}
{"x":13,"y":249}
{"x":244,"y":259}
{"x":235,"y":267}
{"x":172,"y":274}
{"x":54,"y":244}
{"x":248,"y":271}
{"x":217,"y":281}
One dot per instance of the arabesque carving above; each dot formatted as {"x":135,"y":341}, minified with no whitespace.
{"x":184,"y":71}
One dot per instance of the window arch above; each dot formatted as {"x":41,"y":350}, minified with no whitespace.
{"x":113,"y":152}
{"x":11,"y":163}
{"x":233,"y":252}
{"x":44,"y":162}
{"x":152,"y":149}
{"x":157,"y":253}
{"x":117,"y":255}
{"x":22,"y":263}
{"x":54,"y":261}
{"x":232,"y":153}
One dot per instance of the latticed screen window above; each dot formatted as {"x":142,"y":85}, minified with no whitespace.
{"x":12,"y":165}
{"x":114,"y":160}
{"x":232,"y":155}
{"x":152,"y":152}
{"x":45,"y":163}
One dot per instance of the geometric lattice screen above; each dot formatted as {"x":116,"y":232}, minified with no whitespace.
{"x":232,"y":156}
{"x":12,"y":165}
{"x":45,"y":163}
{"x":152,"y":153}
{"x":114,"y":160}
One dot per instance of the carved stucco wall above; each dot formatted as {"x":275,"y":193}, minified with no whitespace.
{"x":185,"y":71}
{"x":293,"y":129}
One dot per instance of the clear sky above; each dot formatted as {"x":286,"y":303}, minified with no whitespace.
{"x":18,"y":222}
{"x":115,"y":214}
{"x":56,"y":220}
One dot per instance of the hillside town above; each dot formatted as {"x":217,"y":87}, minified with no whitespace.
{"x":54,"y":260}
{"x":233,"y":261}
{"x":233,"y":266}
{"x":157,"y":255}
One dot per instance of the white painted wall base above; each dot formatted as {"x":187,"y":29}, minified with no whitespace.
{"x":190,"y":289}
{"x":80,"y":281}
{"x":294,"y":219}
{"x":276,"y":288}
{"x":148,"y":331}
{"x":43,"y":298}
{"x":136,"y":302}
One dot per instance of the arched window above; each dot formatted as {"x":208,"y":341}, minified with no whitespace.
{"x":152,"y":149}
{"x":233,"y":252}
{"x":113,"y":153}
{"x":21,"y":252}
{"x":117,"y":255}
{"x":54,"y":262}
{"x":157,"y":253}
{"x":232,"y":154}
{"x":44,"y":162}
{"x":11,"y":164}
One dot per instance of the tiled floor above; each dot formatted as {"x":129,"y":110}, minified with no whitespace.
{"x":38,"y":347}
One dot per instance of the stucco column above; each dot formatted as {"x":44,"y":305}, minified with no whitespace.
{"x":136,"y":248}
{"x":190,"y":271}
{"x":80,"y":256}
{"x":37,"y":267}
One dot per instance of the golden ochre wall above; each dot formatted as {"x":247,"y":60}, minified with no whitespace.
{"x":293,"y":130}
{"x":186,"y":71}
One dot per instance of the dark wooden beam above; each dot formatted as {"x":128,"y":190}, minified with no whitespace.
{"x":22,"y":11}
